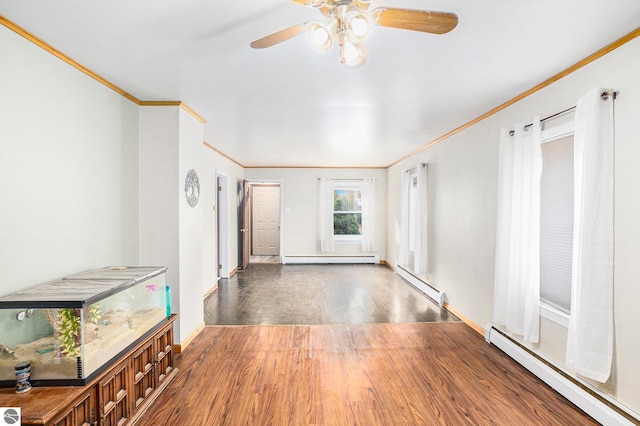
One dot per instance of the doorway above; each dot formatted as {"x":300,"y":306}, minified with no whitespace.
{"x":262,"y":217}
{"x":222,"y":228}
{"x":265,"y":220}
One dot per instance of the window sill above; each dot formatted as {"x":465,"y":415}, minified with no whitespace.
{"x":347,"y":241}
{"x":554,"y":314}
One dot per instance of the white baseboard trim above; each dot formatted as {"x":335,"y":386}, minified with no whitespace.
{"x":329,"y":259}
{"x":601,"y":408}
{"x":434,"y":293}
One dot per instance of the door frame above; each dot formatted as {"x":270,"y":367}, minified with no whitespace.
{"x":253,"y":211}
{"x":222,"y":225}
{"x":279,"y":183}
{"x":245,"y":229}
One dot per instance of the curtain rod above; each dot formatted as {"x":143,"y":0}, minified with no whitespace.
{"x":415,"y":168}
{"x":604,"y":95}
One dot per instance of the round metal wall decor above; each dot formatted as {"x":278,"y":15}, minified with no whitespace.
{"x":192,"y":188}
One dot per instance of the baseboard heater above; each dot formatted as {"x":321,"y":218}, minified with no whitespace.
{"x":601,"y":407}
{"x":434,"y":293}
{"x":329,"y":259}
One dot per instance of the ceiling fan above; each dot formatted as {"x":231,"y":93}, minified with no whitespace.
{"x":349,"y":22}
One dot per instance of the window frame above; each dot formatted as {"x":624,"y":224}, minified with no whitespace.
{"x":547,"y":310}
{"x":353,"y":185}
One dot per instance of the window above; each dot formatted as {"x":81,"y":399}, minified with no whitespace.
{"x":556,"y":224}
{"x":347,"y":211}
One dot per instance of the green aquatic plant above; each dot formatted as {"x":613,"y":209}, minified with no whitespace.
{"x":69,"y":327}
{"x":95,"y":313}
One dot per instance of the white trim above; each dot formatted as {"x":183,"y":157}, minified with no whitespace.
{"x":549,"y":135}
{"x":575,"y":393}
{"x":554,"y":314}
{"x":280,"y":183}
{"x":556,"y":132}
{"x":432,"y":292}
{"x":329,"y":259}
{"x":222,"y":227}
{"x":347,"y":239}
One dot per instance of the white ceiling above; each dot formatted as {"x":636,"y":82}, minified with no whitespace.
{"x":291,"y":106}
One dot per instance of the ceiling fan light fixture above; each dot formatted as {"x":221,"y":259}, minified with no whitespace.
{"x":351,"y":55}
{"x":321,"y":35}
{"x":349,"y":23}
{"x":359,"y":26}
{"x":316,"y":3}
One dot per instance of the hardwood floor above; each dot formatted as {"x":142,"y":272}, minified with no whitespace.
{"x":354,"y":374}
{"x":264,"y":259}
{"x":319,"y":294}
{"x":362,"y":347}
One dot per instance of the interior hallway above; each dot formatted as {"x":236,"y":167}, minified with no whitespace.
{"x":396,"y":359}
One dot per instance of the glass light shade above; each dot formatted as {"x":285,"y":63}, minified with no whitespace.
{"x":359,"y":26}
{"x":316,"y":3}
{"x":351,"y":55}
{"x":321,"y":36}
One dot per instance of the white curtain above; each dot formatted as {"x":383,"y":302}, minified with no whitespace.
{"x":368,"y":214}
{"x":325,"y":214}
{"x":517,"y":264}
{"x":403,"y":252}
{"x":420,"y":252}
{"x":590,"y":337}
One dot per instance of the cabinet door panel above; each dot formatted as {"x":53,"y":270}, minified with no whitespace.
{"x":114,"y":396}
{"x":164,"y":355}
{"x":81,"y":412}
{"x":143,"y":373}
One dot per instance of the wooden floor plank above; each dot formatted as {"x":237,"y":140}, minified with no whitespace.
{"x":354,"y":374}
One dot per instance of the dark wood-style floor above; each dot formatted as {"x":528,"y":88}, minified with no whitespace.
{"x":319,"y":294}
{"x":405,"y":373}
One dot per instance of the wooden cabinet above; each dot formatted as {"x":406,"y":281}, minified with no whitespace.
{"x":82,"y":412}
{"x":117,"y":397}
{"x":164,"y":355}
{"x":114,"y":392}
{"x":144,"y":367}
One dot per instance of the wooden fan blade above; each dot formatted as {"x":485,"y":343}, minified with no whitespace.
{"x":416,"y":20}
{"x":279,"y":36}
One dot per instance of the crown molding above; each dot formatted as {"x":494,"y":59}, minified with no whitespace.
{"x":318,"y":167}
{"x":216,"y":150}
{"x":174,"y":103}
{"x":55,"y":52}
{"x":599,"y":54}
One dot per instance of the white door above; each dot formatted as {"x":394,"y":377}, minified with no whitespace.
{"x":222,"y":209}
{"x":265,"y":227}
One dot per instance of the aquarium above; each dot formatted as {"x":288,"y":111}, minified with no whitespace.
{"x":72,"y":328}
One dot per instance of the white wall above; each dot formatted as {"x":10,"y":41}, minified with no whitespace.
{"x":68,"y":169}
{"x":160,"y":192}
{"x":215,"y":163}
{"x":300,"y":195}
{"x":462,"y":222}
{"x":171,"y":231}
{"x":190,"y":227}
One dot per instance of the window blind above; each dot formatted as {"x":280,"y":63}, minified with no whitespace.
{"x":556,"y":223}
